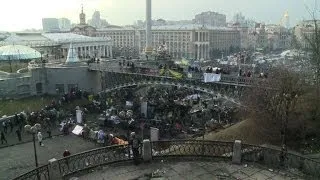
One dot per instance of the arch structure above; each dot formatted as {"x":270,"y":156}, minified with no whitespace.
{"x":114,"y":81}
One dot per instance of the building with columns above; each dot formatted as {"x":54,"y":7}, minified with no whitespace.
{"x":120,"y":37}
{"x":84,"y":45}
{"x":55,"y":46}
{"x":192,"y":41}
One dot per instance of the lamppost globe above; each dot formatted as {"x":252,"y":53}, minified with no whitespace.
{"x":27,"y":128}
{"x":33,"y":129}
{"x":129,"y":113}
{"x":122,"y":114}
{"x":37,"y":126}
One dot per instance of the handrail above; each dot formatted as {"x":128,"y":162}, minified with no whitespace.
{"x":224,"y":78}
{"x":182,"y":148}
{"x":39,"y":173}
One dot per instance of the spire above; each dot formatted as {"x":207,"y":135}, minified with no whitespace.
{"x":81,"y":8}
{"x":82,"y":16}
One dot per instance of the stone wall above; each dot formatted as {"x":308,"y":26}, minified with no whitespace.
{"x":47,"y":80}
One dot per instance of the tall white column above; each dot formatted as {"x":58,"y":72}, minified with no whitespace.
{"x":198,"y":51}
{"x":206,"y":52}
{"x":104,"y":51}
{"x":202,"y":51}
{"x":111,"y":55}
{"x":108,"y":54}
{"x":148,"y":27}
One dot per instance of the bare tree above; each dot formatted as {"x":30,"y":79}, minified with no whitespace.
{"x":272,"y":103}
{"x":312,"y":38}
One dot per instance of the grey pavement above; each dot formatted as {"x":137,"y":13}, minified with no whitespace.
{"x":193,"y":170}
{"x":19,"y":159}
{"x":12,"y":137}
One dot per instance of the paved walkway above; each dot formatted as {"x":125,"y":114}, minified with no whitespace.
{"x":12,"y":137}
{"x":19,"y":159}
{"x":193,"y":170}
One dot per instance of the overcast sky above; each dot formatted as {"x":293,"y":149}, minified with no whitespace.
{"x":27,"y":14}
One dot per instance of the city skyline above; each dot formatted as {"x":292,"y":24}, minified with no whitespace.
{"x":124,"y":12}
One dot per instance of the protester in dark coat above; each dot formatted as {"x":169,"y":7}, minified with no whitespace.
{"x":19,"y":134}
{"x":135,"y":144}
{"x":3,"y":138}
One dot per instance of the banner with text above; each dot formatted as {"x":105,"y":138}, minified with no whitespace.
{"x":211,"y":77}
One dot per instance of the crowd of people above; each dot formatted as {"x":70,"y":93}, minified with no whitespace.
{"x":49,"y":116}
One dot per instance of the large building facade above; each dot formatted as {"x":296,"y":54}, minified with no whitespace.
{"x":189,"y":41}
{"x":211,"y":18}
{"x":193,"y":41}
{"x":50,"y":25}
{"x":305,"y":31}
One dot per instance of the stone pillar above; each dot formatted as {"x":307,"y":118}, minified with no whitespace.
{"x":154,"y":134}
{"x":85,"y":51}
{"x":198,"y":52}
{"x":108,"y":53}
{"x":104,"y":51}
{"x":236,"y":155}
{"x":111,"y":55}
{"x":54,"y":171}
{"x":201,"y":51}
{"x":146,"y":150}
{"x":206,"y":52}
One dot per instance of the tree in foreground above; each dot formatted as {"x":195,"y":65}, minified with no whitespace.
{"x":275,"y":105}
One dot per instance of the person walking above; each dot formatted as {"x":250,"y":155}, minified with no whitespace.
{"x":4,"y":125}
{"x":40,"y":137}
{"x":3,"y":138}
{"x":11,"y":125}
{"x":19,"y":134}
{"x":135,"y":144}
{"x":66,"y":153}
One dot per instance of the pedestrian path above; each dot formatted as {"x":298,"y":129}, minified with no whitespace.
{"x":19,"y":159}
{"x":190,"y":170}
{"x":12,"y":137}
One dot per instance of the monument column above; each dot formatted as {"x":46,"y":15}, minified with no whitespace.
{"x":148,"y":48}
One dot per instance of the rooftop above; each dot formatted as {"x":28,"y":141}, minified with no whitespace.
{"x":49,"y":38}
{"x":191,"y":27}
{"x":71,"y":37}
{"x":173,"y":27}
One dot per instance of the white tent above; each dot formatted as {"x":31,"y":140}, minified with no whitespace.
{"x":72,"y":55}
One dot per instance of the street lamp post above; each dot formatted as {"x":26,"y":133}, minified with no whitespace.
{"x":33,"y":130}
{"x":127,"y":115}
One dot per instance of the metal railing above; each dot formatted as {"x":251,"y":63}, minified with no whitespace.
{"x":192,"y":148}
{"x":270,"y":157}
{"x":224,"y":78}
{"x":93,"y":158}
{"x":40,"y":173}
{"x":181,"y":148}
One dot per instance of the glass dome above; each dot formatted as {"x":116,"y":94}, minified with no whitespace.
{"x":18,"y":52}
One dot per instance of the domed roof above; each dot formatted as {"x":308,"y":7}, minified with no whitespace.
{"x":18,"y":52}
